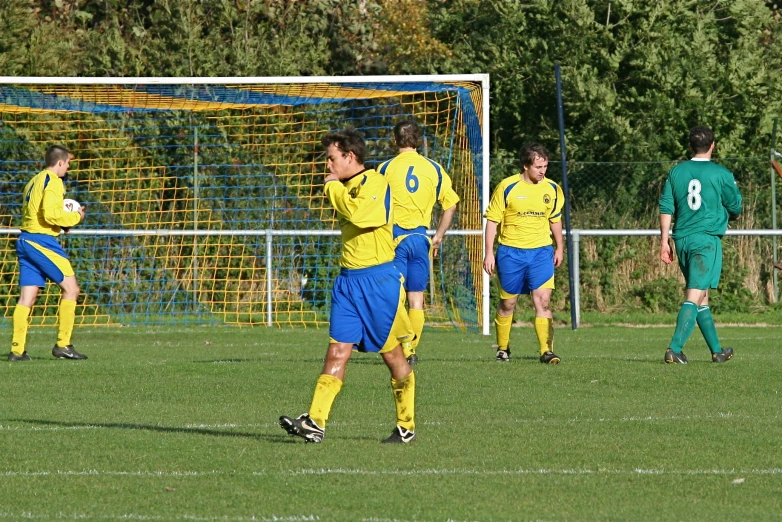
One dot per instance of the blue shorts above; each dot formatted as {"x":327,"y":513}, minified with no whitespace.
{"x":412,"y":259}
{"x":368,"y":309}
{"x":522,"y":270}
{"x":41,"y":257}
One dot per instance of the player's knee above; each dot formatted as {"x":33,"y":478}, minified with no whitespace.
{"x":338,"y":352}
{"x":506,"y":306}
{"x":544,"y":302}
{"x":71,"y":292}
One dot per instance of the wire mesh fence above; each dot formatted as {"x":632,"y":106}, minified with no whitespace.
{"x":619,"y":274}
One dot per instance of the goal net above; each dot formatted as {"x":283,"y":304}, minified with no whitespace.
{"x":204,"y":197}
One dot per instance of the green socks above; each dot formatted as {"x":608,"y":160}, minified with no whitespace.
{"x":685,"y":324}
{"x":706,"y":324}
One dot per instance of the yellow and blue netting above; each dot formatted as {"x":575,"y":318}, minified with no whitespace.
{"x":209,"y":159}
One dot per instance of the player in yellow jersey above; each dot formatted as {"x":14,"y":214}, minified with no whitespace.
{"x":367,"y":300}
{"x":41,"y":256}
{"x":527,"y":208}
{"x":417,"y":183}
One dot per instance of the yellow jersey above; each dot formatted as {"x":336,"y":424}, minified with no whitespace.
{"x":364,"y":208}
{"x":524,"y":211}
{"x":42,"y":208}
{"x":417,"y":183}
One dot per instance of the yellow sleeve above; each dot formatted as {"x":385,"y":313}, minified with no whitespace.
{"x":369,"y":206}
{"x":448,"y":197}
{"x":52,"y":206}
{"x":559,"y":207}
{"x":496,"y":210}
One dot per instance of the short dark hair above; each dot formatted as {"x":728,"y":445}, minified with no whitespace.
{"x":56,"y":153}
{"x":529,"y":151}
{"x":347,"y":140}
{"x":701,"y":138}
{"x":407,"y":134}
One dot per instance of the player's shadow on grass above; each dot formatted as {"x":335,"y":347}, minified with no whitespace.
{"x":535,"y":358}
{"x":232,"y":360}
{"x":259,"y":360}
{"x":159,"y":429}
{"x":372,"y":361}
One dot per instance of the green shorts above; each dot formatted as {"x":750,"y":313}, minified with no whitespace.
{"x":700,"y":259}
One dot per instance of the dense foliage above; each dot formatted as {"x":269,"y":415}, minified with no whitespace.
{"x":636,"y":74}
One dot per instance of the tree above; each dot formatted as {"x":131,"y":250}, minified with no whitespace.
{"x":636,"y":75}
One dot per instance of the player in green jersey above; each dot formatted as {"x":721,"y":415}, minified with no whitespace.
{"x":700,"y":197}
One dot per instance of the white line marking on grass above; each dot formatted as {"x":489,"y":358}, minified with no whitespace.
{"x":262,"y":426}
{"x":399,"y":472}
{"x":95,"y":472}
{"x":652,"y":418}
{"x":27,"y":515}
{"x":542,"y":471}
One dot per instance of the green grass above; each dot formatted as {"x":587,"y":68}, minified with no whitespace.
{"x":181,"y":424}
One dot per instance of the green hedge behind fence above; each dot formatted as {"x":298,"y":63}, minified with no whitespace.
{"x":621,"y":274}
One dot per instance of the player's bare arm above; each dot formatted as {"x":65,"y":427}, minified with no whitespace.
{"x":491,"y":233}
{"x":556,"y":232}
{"x":666,"y":255}
{"x":445,"y":224}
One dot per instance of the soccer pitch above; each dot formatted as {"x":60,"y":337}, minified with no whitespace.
{"x":181,"y":424}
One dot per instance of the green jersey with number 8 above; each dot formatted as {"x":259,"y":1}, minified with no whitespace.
{"x":700,"y":195}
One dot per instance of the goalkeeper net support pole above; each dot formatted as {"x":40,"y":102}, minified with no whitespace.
{"x":204,"y":196}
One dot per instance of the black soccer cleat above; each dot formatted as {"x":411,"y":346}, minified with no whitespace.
{"x":412,"y":360}
{"x":400,"y":436}
{"x":725,"y":355}
{"x":69,"y":352}
{"x":549,"y":358}
{"x":304,"y":427}
{"x":675,"y":358}
{"x":502,"y":355}
{"x":19,"y":357}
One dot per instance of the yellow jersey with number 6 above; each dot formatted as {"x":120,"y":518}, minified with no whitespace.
{"x":417,"y":183}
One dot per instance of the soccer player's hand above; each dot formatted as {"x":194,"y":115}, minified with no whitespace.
{"x":666,"y":254}
{"x":436,"y":242}
{"x":558,"y":256}
{"x":488,"y":263}
{"x":82,"y":213}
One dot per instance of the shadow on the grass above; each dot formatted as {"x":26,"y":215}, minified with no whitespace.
{"x":259,"y":360}
{"x":372,"y":361}
{"x":147,"y":427}
{"x":229,"y":360}
{"x":282,"y":438}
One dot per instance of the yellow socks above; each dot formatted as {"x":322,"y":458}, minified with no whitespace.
{"x":503,"y":325}
{"x":66,"y":317}
{"x":19,"y":340}
{"x":404,"y":397}
{"x":326,"y":390}
{"x":417,"y":322}
{"x":544,"y":328}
